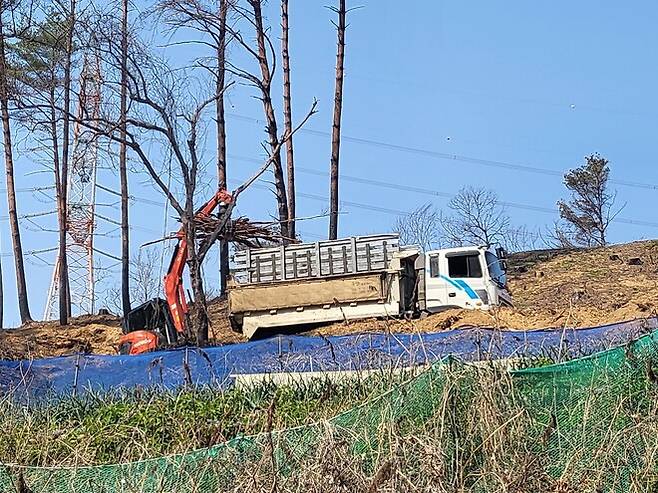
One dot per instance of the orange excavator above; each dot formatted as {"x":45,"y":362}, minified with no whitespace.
{"x":161,"y":322}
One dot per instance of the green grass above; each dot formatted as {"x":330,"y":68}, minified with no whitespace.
{"x":110,"y":428}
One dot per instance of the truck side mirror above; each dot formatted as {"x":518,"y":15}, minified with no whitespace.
{"x":501,"y":253}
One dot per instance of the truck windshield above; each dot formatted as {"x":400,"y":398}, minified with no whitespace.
{"x":495,"y":270}
{"x":464,"y":265}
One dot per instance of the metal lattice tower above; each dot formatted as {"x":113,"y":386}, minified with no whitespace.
{"x":81,"y":190}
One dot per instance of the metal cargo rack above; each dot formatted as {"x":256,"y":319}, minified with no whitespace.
{"x":355,"y":255}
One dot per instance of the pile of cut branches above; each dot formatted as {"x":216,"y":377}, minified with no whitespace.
{"x":241,"y":230}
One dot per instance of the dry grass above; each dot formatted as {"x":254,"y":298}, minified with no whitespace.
{"x":597,"y":285}
{"x":461,"y":429}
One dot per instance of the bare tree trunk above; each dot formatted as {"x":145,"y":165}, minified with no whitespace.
{"x":57,"y":172}
{"x":335,"y":134}
{"x":123,"y":174}
{"x":287,"y":118}
{"x":270,"y":116}
{"x":221,"y":136}
{"x":21,"y":285}
{"x":2,"y":289}
{"x":64,"y":296}
{"x":2,"y":295}
{"x":200,"y":301}
{"x":200,"y":306}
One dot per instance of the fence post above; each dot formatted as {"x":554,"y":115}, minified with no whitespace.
{"x":187,"y":372}
{"x":77,"y":373}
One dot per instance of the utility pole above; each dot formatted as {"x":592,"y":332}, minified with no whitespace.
{"x":123,"y":174}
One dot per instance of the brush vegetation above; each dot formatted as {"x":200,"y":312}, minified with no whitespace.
{"x":109,"y":428}
{"x":585,"y":426}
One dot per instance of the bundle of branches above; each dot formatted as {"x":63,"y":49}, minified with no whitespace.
{"x":241,"y":231}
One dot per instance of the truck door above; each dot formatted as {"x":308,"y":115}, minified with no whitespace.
{"x":466,"y":284}
{"x":498,"y":294}
{"x":436,"y":288}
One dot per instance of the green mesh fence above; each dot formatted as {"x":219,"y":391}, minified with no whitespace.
{"x":585,"y":425}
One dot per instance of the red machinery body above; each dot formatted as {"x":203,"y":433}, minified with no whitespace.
{"x":138,"y":340}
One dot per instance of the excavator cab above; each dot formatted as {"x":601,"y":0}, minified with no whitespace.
{"x":147,"y":327}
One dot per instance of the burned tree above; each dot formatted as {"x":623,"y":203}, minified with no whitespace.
{"x":8,"y":10}
{"x":589,"y":212}
{"x":341,"y":27}
{"x":287,"y":117}
{"x":248,"y":22}
{"x":265,"y":57}
{"x":211,"y":23}
{"x":123,"y":173}
{"x":61,"y":183}
{"x":220,"y":84}
{"x":161,"y":110}
{"x":421,"y":227}
{"x":477,"y":217}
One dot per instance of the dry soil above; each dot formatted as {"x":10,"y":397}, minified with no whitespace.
{"x":551,"y":288}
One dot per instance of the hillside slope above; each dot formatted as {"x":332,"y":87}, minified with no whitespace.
{"x":555,"y":288}
{"x":588,"y":286}
{"x":551,"y":288}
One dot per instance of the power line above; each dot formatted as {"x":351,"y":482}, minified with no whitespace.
{"x":131,"y":197}
{"x":357,"y":205}
{"x":434,"y":193}
{"x":449,"y":156}
{"x":30,"y":189}
{"x":29,"y":216}
{"x":117,"y":223}
{"x":31,"y":253}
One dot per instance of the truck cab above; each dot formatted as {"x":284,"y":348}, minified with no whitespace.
{"x":464,"y":277}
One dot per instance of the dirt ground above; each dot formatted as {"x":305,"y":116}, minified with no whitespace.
{"x":88,"y":334}
{"x":550,"y":288}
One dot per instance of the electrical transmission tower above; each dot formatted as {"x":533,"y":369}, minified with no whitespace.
{"x":81,"y":200}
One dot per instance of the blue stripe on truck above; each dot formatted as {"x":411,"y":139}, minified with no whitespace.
{"x":462,"y":286}
{"x":469,"y":291}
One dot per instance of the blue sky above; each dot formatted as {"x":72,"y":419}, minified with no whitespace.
{"x":503,"y":86}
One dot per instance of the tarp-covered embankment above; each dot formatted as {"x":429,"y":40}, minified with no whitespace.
{"x":214,"y":366}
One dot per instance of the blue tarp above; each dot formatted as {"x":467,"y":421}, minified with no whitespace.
{"x":213,"y":366}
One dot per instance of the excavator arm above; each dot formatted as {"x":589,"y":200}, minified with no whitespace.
{"x":173,"y":280}
{"x":140,"y":324}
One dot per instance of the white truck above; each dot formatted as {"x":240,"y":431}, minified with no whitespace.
{"x":359,"y":277}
